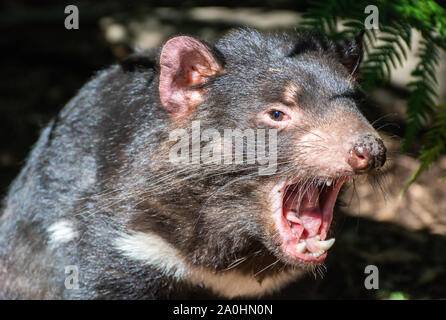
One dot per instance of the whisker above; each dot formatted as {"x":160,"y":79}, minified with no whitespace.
{"x":266,"y":268}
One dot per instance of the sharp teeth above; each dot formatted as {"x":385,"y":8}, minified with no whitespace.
{"x":301,"y":247}
{"x":325,"y":245}
{"x":319,"y":253}
{"x":328,"y":183}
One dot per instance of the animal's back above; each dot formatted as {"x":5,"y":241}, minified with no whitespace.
{"x":43,"y":222}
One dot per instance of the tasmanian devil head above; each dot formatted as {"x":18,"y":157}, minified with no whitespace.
{"x":252,"y":102}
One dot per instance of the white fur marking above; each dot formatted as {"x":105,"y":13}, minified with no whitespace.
{"x":62,"y":232}
{"x":153,"y":250}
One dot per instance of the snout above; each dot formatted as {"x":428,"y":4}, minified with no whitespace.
{"x":367,"y":153}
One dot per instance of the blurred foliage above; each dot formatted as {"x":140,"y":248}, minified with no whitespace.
{"x":388,"y":49}
{"x":435,"y":143}
{"x":384,"y":294}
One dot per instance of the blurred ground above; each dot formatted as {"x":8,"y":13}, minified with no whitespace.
{"x":44,"y":65}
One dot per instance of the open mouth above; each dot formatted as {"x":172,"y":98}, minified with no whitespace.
{"x":304,"y":218}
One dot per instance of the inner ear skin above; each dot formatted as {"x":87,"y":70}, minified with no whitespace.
{"x":192,"y":71}
{"x":185,"y":62}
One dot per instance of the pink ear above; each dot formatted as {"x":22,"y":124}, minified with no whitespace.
{"x":184,"y":62}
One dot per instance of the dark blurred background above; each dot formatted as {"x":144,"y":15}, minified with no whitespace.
{"x":43,"y":65}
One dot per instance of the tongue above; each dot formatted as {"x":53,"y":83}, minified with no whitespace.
{"x":310,"y":213}
{"x":311,"y":221}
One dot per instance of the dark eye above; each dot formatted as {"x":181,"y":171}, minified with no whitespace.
{"x":276,"y":115}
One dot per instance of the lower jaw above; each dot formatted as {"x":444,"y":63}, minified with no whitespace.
{"x":306,"y":257}
{"x":293,"y":256}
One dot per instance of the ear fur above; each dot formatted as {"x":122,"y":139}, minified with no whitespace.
{"x":351,"y":54}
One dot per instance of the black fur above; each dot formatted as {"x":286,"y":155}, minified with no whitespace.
{"x":102,"y":164}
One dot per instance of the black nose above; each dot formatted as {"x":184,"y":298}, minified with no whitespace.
{"x":367,"y":153}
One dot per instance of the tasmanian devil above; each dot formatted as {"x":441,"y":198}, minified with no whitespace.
{"x":134,"y":190}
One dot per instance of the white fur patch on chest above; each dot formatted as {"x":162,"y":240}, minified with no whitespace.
{"x":151,"y":249}
{"x":62,"y":231}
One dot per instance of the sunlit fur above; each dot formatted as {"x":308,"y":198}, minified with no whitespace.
{"x":103,"y":164}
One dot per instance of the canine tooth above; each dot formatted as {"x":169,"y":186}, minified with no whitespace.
{"x":328,"y":183}
{"x":301,"y":247}
{"x":325,"y":245}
